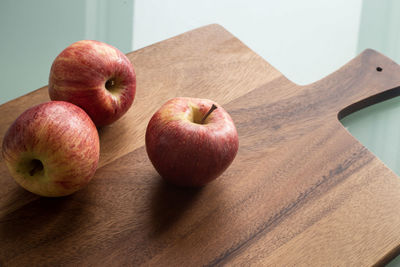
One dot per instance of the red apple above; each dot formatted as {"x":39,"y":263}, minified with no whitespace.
{"x":191,"y":141}
{"x":52,"y":149}
{"x":96,"y":77}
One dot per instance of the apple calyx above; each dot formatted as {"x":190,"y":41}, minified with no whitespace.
{"x":213,"y":107}
{"x":37,"y":166}
{"x":111,"y":85}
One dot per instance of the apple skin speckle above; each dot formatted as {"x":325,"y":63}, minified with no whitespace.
{"x":79,"y":75}
{"x":185,"y":152}
{"x":63,"y":138}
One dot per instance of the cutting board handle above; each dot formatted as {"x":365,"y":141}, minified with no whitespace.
{"x":368,"y":79}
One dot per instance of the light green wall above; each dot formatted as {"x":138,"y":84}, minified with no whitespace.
{"x":378,"y":127}
{"x":379,"y":27}
{"x":34,"y":32}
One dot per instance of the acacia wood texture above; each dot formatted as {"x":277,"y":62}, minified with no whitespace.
{"x":301,"y":191}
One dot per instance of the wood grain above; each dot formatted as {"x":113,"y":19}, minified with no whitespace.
{"x":301,"y":191}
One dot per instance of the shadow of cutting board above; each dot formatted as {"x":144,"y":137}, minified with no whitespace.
{"x":301,"y":191}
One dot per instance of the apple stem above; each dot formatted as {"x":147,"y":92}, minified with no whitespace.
{"x":213,"y":107}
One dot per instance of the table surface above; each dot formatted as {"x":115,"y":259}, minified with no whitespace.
{"x":285,"y":200}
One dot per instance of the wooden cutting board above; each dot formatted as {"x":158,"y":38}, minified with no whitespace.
{"x":301,"y":191}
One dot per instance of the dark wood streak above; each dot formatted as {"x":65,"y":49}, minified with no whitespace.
{"x":324,"y":184}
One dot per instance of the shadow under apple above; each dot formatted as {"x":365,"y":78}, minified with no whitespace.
{"x":169,"y":203}
{"x":39,"y":221}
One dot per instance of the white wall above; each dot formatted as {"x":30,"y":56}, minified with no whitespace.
{"x":306,"y":40}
